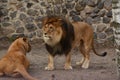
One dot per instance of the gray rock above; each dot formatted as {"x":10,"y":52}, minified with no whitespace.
{"x":100,"y":5}
{"x":1,"y":13}
{"x":76,"y":18}
{"x":80,"y":6}
{"x":6,"y":19}
{"x":70,"y":5}
{"x":22,"y":17}
{"x":96,"y":10}
{"x":106,"y":20}
{"x":101,"y":27}
{"x":6,"y":24}
{"x":31,"y":35}
{"x":29,"y":5}
{"x":22,"y":9}
{"x":108,"y":4}
{"x":39,"y":33}
{"x":97,"y":19}
{"x":20,"y":30}
{"x":109,"y":14}
{"x":4,"y":12}
{"x":109,"y":31}
{"x":64,"y":11}
{"x":91,"y":3}
{"x":102,"y":13}
{"x":73,"y":13}
{"x":101,"y":35}
{"x":111,"y":39}
{"x":38,"y":18}
{"x":69,"y":0}
{"x":17,"y":24}
{"x":6,"y":31}
{"x":37,"y":1}
{"x":29,"y":19}
{"x":15,"y":36}
{"x":88,"y":9}
{"x":89,"y":20}
{"x":83,"y":14}
{"x":30,"y":27}
{"x":13,"y":14}
{"x":93,"y":15}
{"x":4,"y":1}
{"x":43,"y":4}
{"x":32,"y":12}
{"x":95,"y":35}
{"x":39,"y":25}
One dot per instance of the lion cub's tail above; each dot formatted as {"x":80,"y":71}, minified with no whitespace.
{"x":103,"y":54}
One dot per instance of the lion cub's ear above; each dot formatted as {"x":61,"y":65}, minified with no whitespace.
{"x":24,"y":39}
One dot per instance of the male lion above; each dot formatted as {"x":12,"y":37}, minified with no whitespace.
{"x":15,"y":62}
{"x":60,"y":36}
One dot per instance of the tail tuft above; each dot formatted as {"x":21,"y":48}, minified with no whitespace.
{"x":104,"y":54}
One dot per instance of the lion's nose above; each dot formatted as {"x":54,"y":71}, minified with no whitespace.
{"x":45,"y":33}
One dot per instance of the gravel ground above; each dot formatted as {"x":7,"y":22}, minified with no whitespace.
{"x":101,"y":68}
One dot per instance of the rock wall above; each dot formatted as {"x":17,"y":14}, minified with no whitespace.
{"x":116,"y":24}
{"x":23,"y":17}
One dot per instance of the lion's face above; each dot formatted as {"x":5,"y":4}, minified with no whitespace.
{"x":52,"y":33}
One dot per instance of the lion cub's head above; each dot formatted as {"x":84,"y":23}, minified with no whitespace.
{"x":20,"y":44}
{"x":52,"y":30}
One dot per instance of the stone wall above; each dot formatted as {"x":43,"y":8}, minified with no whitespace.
{"x":116,"y":24}
{"x":23,"y":17}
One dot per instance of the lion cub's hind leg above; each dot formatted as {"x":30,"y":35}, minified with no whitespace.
{"x":1,"y":68}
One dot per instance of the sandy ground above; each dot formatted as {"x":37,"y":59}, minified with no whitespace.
{"x":101,"y":68}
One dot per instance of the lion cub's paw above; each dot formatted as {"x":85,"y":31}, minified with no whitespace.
{"x":49,"y":68}
{"x":67,"y":67}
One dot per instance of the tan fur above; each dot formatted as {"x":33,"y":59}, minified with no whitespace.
{"x":15,"y":62}
{"x":83,"y":34}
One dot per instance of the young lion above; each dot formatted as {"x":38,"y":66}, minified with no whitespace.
{"x":60,"y":36}
{"x":15,"y":62}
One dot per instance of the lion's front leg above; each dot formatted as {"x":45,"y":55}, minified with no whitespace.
{"x":50,"y":63}
{"x":68,"y":62}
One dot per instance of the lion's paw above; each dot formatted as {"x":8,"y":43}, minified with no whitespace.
{"x":49,"y":68}
{"x":78,"y":63}
{"x":67,"y":67}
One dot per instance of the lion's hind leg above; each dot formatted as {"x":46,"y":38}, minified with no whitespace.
{"x":85,"y":49}
{"x":82,"y":50}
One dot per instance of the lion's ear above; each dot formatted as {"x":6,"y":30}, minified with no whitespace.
{"x":44,"y":20}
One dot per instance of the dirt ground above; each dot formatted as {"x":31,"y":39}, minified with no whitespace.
{"x":101,"y":68}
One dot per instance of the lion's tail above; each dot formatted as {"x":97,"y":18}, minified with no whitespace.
{"x":102,"y":55}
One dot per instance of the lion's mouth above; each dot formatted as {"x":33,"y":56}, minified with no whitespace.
{"x":46,"y":37}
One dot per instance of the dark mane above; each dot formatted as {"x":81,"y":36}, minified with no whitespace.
{"x":65,"y":44}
